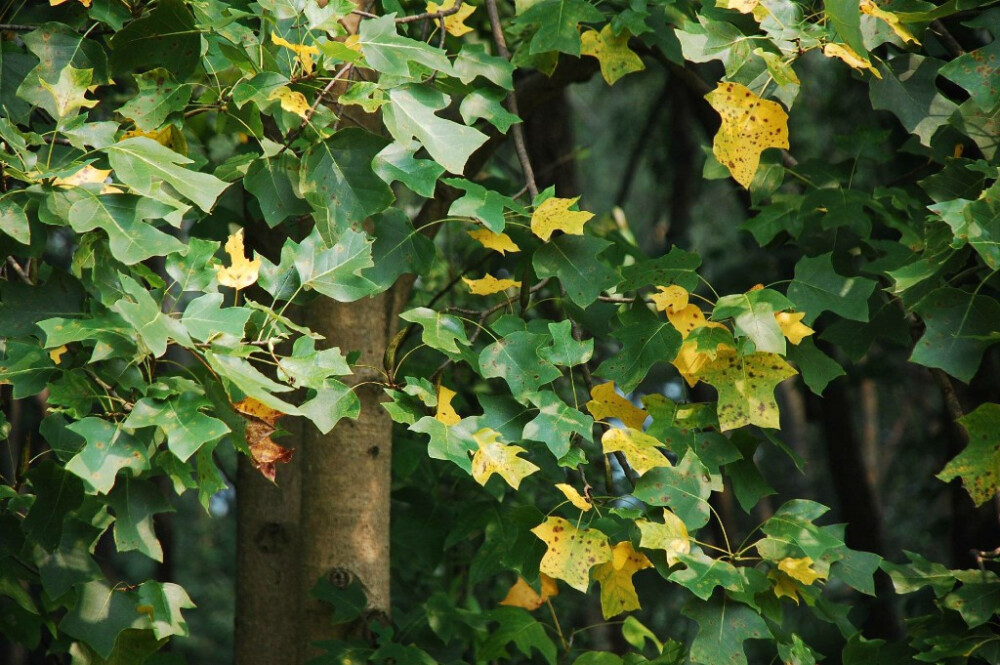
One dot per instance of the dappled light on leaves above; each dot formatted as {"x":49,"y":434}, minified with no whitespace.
{"x":88,"y":175}
{"x":750,"y":125}
{"x":746,"y":388}
{"x":555,"y":215}
{"x":869,"y":7}
{"x":607,"y":403}
{"x":671,"y":536}
{"x":494,"y":456}
{"x":615,"y":577}
{"x":523,"y":595}
{"x":489,"y":285}
{"x":639,"y":449}
{"x":612,"y":52}
{"x":571,"y":552}
{"x":242,"y":272}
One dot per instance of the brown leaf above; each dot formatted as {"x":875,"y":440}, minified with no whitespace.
{"x":264,"y":452}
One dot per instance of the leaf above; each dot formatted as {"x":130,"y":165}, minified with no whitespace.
{"x":817,"y":368}
{"x":250,"y":381}
{"x":556,"y":423}
{"x":792,"y":326}
{"x":645,"y":342}
{"x":612,"y":51}
{"x":684,"y":487}
{"x":389,"y":53}
{"x":100,"y":614}
{"x":447,"y":442}
{"x":558,"y":22}
{"x":498,"y":242}
{"x":676,"y":267}
{"x":123,"y":217}
{"x":482,"y":204}
{"x":723,"y":626}
{"x":847,"y":54}
{"x":750,"y":125}
{"x":413,"y":114}
{"x":336,"y":271}
{"x":800,"y":569}
{"x":908,"y":90}
{"x":817,"y":288}
{"x":396,"y":161}
{"x":571,"y":552}
{"x":493,"y":456}
{"x":670,"y":299}
{"x":488,"y":105}
{"x":264,"y":452}
{"x":515,"y":358}
{"x":792,"y":523}
{"x":159,"y":95}
{"x":162,"y":603}
{"x":522,"y":595}
{"x":555,"y":215}
{"x":57,"y":493}
{"x":445,"y":412}
{"x":615,"y":577}
{"x":134,"y":502}
{"x":639,"y":449}
{"x":574,"y":497}
{"x":333,"y":400}
{"x":304,"y":53}
{"x":443,"y":332}
{"x":746,"y":388}
{"x":978,"y":465}
{"x":574,"y":261}
{"x":489,"y":285}
{"x":274,"y":183}
{"x":607,"y":403}
{"x":109,"y":448}
{"x":753,"y":314}
{"x":517,"y":626}
{"x":870,"y":8}
{"x":977,"y":72}
{"x":166,"y":37}
{"x":455,"y":23}
{"x":977,"y":602}
{"x":242,"y":272}
{"x":68,"y":92}
{"x":180,"y":418}
{"x":845,"y":17}
{"x":565,"y":349}
{"x":958,"y":330}
{"x":473,"y":62}
{"x":14,"y":222}
{"x":671,"y":536}
{"x":702,"y":574}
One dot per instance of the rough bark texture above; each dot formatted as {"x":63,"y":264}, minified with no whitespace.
{"x":267,"y":563}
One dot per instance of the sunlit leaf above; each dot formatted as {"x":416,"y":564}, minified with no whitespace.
{"x":571,"y":552}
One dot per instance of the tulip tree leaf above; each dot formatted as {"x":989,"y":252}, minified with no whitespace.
{"x":960,"y":326}
{"x":979,"y":464}
{"x":723,"y":626}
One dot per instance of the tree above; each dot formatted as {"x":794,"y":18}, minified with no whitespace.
{"x":215,"y":213}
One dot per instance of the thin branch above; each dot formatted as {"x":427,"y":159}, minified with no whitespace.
{"x":947,"y":39}
{"x":518,"y":130}
{"x":19,"y":270}
{"x":17,"y":27}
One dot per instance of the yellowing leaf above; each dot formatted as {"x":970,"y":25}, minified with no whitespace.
{"x":671,"y":536}
{"x":615,"y":577}
{"x":639,"y":449}
{"x":243,"y":271}
{"x":53,"y":3}
{"x":57,"y":353}
{"x":169,"y":137}
{"x":445,"y":412}
{"x":612,"y":51}
{"x":607,"y":403}
{"x":746,"y":387}
{"x":554,"y":215}
{"x":499,"y":242}
{"x":670,"y":299}
{"x":850,"y":56}
{"x":800,"y":569}
{"x":489,"y":285}
{"x":494,"y":456}
{"x":522,"y":595}
{"x":303,"y":53}
{"x":88,"y":175}
{"x":688,"y":319}
{"x":353,"y":42}
{"x":571,"y":552}
{"x":454,"y":23}
{"x":742,"y":6}
{"x":574,"y":497}
{"x":784,"y":586}
{"x":291,"y":101}
{"x":792,"y":327}
{"x":870,"y":8}
{"x":749,"y":126}
{"x":690,"y":361}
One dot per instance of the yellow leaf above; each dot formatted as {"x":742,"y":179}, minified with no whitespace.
{"x":870,"y":8}
{"x":522,"y":595}
{"x":749,"y":126}
{"x":791,"y":325}
{"x":499,"y":242}
{"x":690,"y":361}
{"x":671,"y":536}
{"x":353,"y":42}
{"x":291,"y":101}
{"x":688,"y":319}
{"x":800,"y":569}
{"x":243,"y":271}
{"x":670,"y":299}
{"x":455,"y":23}
{"x":445,"y":412}
{"x":303,"y":53}
{"x":494,"y":456}
{"x":639,"y":449}
{"x":742,"y":6}
{"x":88,"y":175}
{"x":574,"y":497}
{"x":53,"y":3}
{"x":746,"y":387}
{"x":615,"y":577}
{"x":612,"y":51}
{"x":571,"y":552}
{"x":169,"y":137}
{"x":607,"y":403}
{"x":56,"y":353}
{"x":784,"y":586}
{"x":554,"y":215}
{"x":850,"y":56}
{"x":489,"y":285}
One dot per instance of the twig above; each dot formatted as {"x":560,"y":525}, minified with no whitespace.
{"x":294,"y":134}
{"x":947,"y":39}
{"x":440,"y":14}
{"x":19,"y":270}
{"x":518,"y":130}
{"x":18,"y":27}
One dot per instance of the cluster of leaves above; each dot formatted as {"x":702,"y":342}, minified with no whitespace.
{"x":133,"y":312}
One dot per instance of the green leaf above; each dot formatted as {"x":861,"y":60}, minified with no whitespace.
{"x":337,"y":180}
{"x":676,"y":267}
{"x":22,"y":305}
{"x":162,"y":603}
{"x":480,"y":203}
{"x":109,"y":449}
{"x":397,"y":162}
{"x":702,"y":574}
{"x":347,"y":603}
{"x":389,"y":53}
{"x":556,"y":423}
{"x":845,"y":17}
{"x":308,"y":367}
{"x":515,"y":358}
{"x":145,"y":165}
{"x":910,"y":577}
{"x":793,"y":524}
{"x":977,"y":72}
{"x":746,"y":388}
{"x":907,"y":89}
{"x":335,"y":271}
{"x":274,"y":183}
{"x":192,"y":270}
{"x":487,"y":105}
{"x":976,"y":223}
{"x":13,"y":221}
{"x":71,"y":564}
{"x":411,"y":114}
{"x":857,"y":570}
{"x":473,"y":61}
{"x":520,"y":628}
{"x":448,"y":442}
{"x":123,"y":217}
{"x":134,"y":502}
{"x":333,"y":400}
{"x":723,"y":627}
{"x":818,"y":288}
{"x":99,"y":615}
{"x":181,"y":420}
{"x":558,"y":24}
{"x":574,"y":260}
{"x":977,"y":602}
{"x":753,"y":315}
{"x":398,"y":249}
{"x":205,"y":318}
{"x":26,"y":366}
{"x":685,"y":488}
{"x":443,"y":332}
{"x":646,"y":340}
{"x":160,"y":94}
{"x":250,"y":381}
{"x":566,"y":350}
{"x":979,"y":464}
{"x":153,"y":327}
{"x":817,"y":368}
{"x":166,"y":38}
{"x":56,"y":494}
{"x":958,"y":331}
